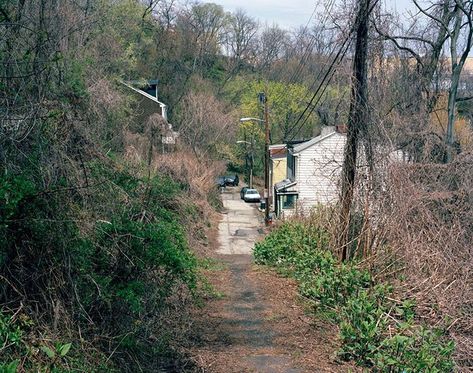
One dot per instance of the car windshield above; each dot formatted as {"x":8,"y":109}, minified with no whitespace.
{"x":251,"y":191}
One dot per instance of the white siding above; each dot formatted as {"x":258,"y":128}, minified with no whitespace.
{"x":318,"y":171}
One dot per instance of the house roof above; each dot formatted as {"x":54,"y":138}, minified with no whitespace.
{"x":147,"y":95}
{"x":300,"y":147}
{"x":286,"y":183}
{"x":277,"y":151}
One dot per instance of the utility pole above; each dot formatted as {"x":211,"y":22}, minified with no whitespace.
{"x":250,"y":156}
{"x":264,"y":99}
{"x":247,"y":170}
{"x":357,"y":120}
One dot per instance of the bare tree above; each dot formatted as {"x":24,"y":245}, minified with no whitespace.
{"x":272,"y":43}
{"x":204,"y":23}
{"x":448,"y":22}
{"x":463,"y":19}
{"x":241,"y":32}
{"x":204,"y":123}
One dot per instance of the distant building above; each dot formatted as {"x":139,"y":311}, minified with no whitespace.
{"x":314,"y":168}
{"x":313,"y":173}
{"x":148,"y":105}
{"x":278,"y":164}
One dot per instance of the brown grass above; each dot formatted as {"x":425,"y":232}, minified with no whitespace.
{"x":429,"y":222}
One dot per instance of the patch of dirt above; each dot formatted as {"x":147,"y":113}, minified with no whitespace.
{"x":258,"y":324}
{"x":312,"y":342}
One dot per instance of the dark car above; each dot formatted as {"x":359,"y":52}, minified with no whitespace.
{"x":232,"y":180}
{"x":242,"y":192}
{"x":221,"y":181}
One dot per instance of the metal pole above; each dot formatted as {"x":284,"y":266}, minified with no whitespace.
{"x":252,"y":161}
{"x":247,"y":172}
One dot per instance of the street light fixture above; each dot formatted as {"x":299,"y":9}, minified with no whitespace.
{"x":250,"y":119}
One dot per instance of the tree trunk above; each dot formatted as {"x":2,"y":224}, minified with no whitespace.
{"x":457,"y":67}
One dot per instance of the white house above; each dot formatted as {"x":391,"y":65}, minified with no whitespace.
{"x":313,"y":173}
{"x":147,"y":105}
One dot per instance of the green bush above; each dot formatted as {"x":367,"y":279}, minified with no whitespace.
{"x":300,"y":251}
{"x":363,"y":323}
{"x":347,"y":295}
{"x":116,"y":272}
{"x":423,"y":350}
{"x":10,"y":334}
{"x":282,"y":244}
{"x":14,"y":193}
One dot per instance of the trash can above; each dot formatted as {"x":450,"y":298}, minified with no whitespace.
{"x":262,"y":204}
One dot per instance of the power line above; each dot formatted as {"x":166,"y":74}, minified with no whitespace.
{"x":341,"y":53}
{"x":327,"y":73}
{"x":314,"y":105}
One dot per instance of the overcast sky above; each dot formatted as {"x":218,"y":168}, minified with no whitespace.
{"x":289,"y":13}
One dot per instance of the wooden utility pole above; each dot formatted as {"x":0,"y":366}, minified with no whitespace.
{"x":266,"y":160}
{"x":357,"y":120}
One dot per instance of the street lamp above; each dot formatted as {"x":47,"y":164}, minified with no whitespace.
{"x":250,"y":119}
{"x":251,"y":159}
{"x":264,"y":100}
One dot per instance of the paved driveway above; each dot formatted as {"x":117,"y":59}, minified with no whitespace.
{"x":240,"y":225}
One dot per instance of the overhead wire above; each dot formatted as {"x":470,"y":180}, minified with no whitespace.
{"x":340,"y":54}
{"x":312,"y":105}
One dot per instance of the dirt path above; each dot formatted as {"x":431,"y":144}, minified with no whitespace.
{"x":258,"y":324}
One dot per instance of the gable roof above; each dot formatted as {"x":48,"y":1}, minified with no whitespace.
{"x":147,"y":95}
{"x":284,"y":184}
{"x":277,"y":151}
{"x":301,"y":147}
{"x":162,"y":105}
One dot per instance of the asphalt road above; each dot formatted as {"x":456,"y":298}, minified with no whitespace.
{"x":240,"y":225}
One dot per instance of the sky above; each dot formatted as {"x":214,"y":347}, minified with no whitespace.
{"x":289,"y":14}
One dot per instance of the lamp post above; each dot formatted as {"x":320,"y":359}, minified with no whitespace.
{"x":251,"y":158}
{"x":264,"y":101}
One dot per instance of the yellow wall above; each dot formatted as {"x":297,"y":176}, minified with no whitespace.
{"x":439,"y":119}
{"x":279,"y":169}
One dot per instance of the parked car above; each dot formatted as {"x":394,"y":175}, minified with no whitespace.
{"x":251,"y":195}
{"x":220,"y":181}
{"x":242,"y":192}
{"x":232,"y":180}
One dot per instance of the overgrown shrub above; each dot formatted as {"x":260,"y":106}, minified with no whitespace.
{"x":113,"y":273}
{"x":347,"y":294}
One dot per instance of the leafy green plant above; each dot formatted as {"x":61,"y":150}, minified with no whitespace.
{"x":423,"y":350}
{"x":60,"y":350}
{"x":363,"y":324}
{"x":14,"y":191}
{"x":347,"y":295}
{"x":10,"y":334}
{"x":10,"y":367}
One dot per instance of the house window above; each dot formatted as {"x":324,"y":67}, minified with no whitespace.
{"x":289,"y":201}
{"x":291,"y":167}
